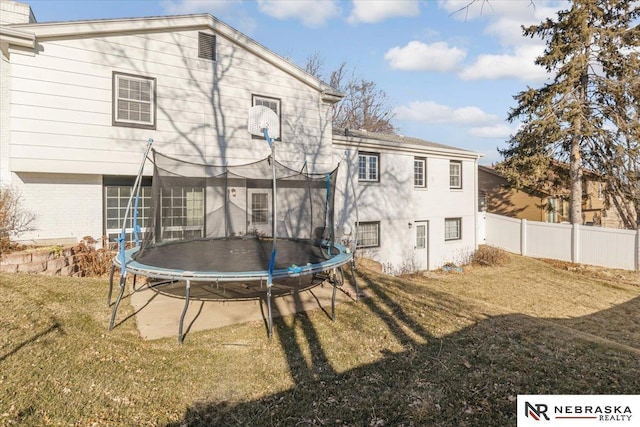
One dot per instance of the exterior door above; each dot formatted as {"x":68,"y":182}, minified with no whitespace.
{"x":259,"y":215}
{"x":421,"y":245}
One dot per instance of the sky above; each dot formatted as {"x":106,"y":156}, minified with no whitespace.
{"x":449,"y":68}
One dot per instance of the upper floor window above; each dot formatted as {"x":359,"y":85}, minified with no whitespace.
{"x":134,"y":101}
{"x":455,"y":174}
{"x":272,"y":103}
{"x":420,"y":172}
{"x":368,"y":167}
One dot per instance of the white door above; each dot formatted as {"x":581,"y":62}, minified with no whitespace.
{"x":421,"y":245}
{"x":259,"y":211}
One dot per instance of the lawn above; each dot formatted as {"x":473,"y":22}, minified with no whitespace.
{"x":445,"y":349}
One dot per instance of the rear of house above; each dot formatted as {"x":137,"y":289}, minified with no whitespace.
{"x":80,"y":100}
{"x":83,"y":98}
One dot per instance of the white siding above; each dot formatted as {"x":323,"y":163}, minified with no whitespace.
{"x":61,"y":107}
{"x":395,"y":202}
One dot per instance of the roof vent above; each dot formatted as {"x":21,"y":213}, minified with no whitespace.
{"x":207,"y":46}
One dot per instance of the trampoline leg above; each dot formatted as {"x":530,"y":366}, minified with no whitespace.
{"x":113,"y":269}
{"x":184,"y":311}
{"x":123,"y":280}
{"x":270,"y":326}
{"x":333,"y":296}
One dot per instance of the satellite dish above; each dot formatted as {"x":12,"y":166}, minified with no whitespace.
{"x":263,"y":121}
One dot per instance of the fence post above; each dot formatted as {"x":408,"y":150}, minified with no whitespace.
{"x":523,"y":237}
{"x":637,"y":252}
{"x":575,"y":241}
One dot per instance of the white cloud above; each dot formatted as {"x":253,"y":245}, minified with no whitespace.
{"x":519,"y":65}
{"x":504,"y":22}
{"x":520,"y":10}
{"x":418,"y":56}
{"x":434,"y":113}
{"x":312,"y":13}
{"x":185,"y":7}
{"x":499,"y":130}
{"x":372,"y":11}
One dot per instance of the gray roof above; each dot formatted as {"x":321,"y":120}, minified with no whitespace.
{"x":395,"y":139}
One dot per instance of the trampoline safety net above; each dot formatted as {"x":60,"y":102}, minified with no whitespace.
{"x":217,"y":203}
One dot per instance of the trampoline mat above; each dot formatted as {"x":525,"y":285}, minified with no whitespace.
{"x":230,"y":255}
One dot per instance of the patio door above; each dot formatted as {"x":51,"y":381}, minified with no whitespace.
{"x":421,"y":245}
{"x":259,"y":208}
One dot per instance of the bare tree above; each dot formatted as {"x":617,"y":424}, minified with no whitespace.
{"x":364,"y":106}
{"x":14,"y":219}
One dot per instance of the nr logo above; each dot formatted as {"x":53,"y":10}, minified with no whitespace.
{"x":536,"y":411}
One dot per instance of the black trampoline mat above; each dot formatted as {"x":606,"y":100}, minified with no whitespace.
{"x":230,"y":255}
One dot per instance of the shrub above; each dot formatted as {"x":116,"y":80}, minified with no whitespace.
{"x":14,"y":219}
{"x":490,"y":256}
{"x":93,"y":261}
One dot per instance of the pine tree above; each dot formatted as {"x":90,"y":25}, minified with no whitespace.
{"x":586,"y":115}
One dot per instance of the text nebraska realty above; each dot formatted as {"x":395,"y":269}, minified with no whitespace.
{"x":601,"y":413}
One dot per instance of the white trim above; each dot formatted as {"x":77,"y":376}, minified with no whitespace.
{"x":103,"y":27}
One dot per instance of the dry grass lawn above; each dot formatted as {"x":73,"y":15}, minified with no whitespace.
{"x":441,"y":350}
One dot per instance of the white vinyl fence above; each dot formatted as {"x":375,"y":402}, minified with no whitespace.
{"x":606,"y":247}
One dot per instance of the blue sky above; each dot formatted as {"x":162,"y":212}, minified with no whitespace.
{"x":451,"y":74}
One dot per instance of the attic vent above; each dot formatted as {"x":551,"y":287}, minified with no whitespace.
{"x":207,"y":46}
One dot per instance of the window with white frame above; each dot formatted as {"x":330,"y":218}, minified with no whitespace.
{"x":455,"y":174}
{"x":368,"y":167}
{"x":182,"y":212}
{"x":420,"y":172}
{"x":259,"y":208}
{"x":453,"y":228}
{"x":116,"y":199}
{"x":134,"y":101}
{"x":368,"y":235}
{"x":272,"y":103}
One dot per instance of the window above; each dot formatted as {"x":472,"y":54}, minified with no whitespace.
{"x":453,"y":228}
{"x":455,"y":174}
{"x":115,"y":202}
{"x":134,"y":101}
{"x":259,"y":208}
{"x":421,"y":236}
{"x":419,"y":172}
{"x":368,"y":235}
{"x":272,"y":103}
{"x":207,"y":46}
{"x":182,"y":212}
{"x":368,"y":167}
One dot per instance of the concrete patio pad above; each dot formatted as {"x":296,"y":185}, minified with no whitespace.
{"x":157,"y":314}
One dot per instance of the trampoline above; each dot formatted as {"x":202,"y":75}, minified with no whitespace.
{"x":251,"y":223}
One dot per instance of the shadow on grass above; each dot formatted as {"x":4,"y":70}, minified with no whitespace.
{"x":470,"y":377}
{"x":55,"y":326}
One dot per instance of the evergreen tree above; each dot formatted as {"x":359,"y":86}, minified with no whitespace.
{"x":586,"y":115}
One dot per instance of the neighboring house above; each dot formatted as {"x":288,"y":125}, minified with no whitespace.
{"x":79,"y":100}
{"x":539,"y":205}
